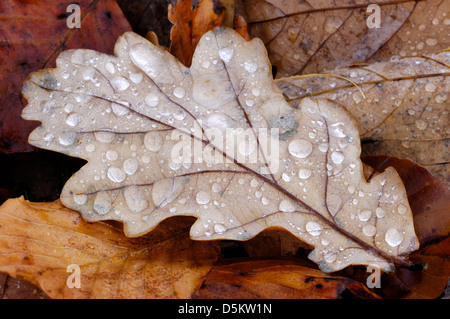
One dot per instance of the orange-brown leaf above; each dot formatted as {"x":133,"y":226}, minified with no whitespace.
{"x":38,"y":241}
{"x":275,"y":279}
{"x":190,"y":24}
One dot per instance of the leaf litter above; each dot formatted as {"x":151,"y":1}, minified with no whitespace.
{"x":135,"y":116}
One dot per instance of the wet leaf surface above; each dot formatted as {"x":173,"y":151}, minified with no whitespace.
{"x":33,"y":33}
{"x":401,"y":106}
{"x":429,"y":198}
{"x":317,"y":36}
{"x":126,"y":115}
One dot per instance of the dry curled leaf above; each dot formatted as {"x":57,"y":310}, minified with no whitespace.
{"x":39,"y":241}
{"x":314,"y":36}
{"x":401,"y":106}
{"x":153,"y":134}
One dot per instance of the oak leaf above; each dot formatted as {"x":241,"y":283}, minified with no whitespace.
{"x":429,"y":199}
{"x":136,"y":116}
{"x":39,"y":241}
{"x":316,"y":36}
{"x":400,"y":106}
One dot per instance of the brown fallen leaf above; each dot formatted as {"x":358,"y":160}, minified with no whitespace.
{"x":401,"y":106}
{"x":430,"y":203}
{"x":38,"y":241}
{"x":148,"y":16}
{"x":33,"y":33}
{"x":135,"y":116}
{"x":190,"y":23}
{"x":275,"y":279}
{"x":315,"y":36}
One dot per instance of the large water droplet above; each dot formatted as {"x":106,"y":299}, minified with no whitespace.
{"x":153,"y":141}
{"x":179,"y":92}
{"x":380,"y":212}
{"x":89,"y":74}
{"x":218,"y":120}
{"x":152,"y":100}
{"x":337,"y":157}
{"x":250,"y":66}
{"x":300,"y":148}
{"x":421,"y":124}
{"x":116,"y":174}
{"x":431,"y":41}
{"x":119,"y":110}
{"x":313,"y":228}
{"x":110,"y":67}
{"x":68,"y":107}
{"x":330,"y":257}
{"x":304,"y":173}
{"x":226,"y":54}
{"x":120,"y":83}
{"x":369,"y":230}
{"x":337,"y":130}
{"x":323,"y":147}
{"x":216,"y":187}
{"x":73,"y":119}
{"x":254,"y":182}
{"x":440,"y":97}
{"x":287,"y":206}
{"x":80,"y":199}
{"x":112,"y":155}
{"x":102,"y":203}
{"x":135,"y":199}
{"x":136,"y":77}
{"x":164,"y":191}
{"x":104,"y":137}
{"x":430,"y":87}
{"x":179,"y":115}
{"x":402,"y":209}
{"x":393,"y":237}
{"x":130,"y":166}
{"x":219,"y":228}
{"x":202,"y":197}
{"x":90,"y":148}
{"x":364,"y":215}
{"x":247,"y":146}
{"x":67,"y":138}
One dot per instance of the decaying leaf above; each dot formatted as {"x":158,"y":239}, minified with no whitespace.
{"x":430,"y":203}
{"x":39,"y":241}
{"x":305,"y":37}
{"x":275,"y":279}
{"x":164,"y":140}
{"x":190,"y":23}
{"x":33,"y":33}
{"x":401,"y":106}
